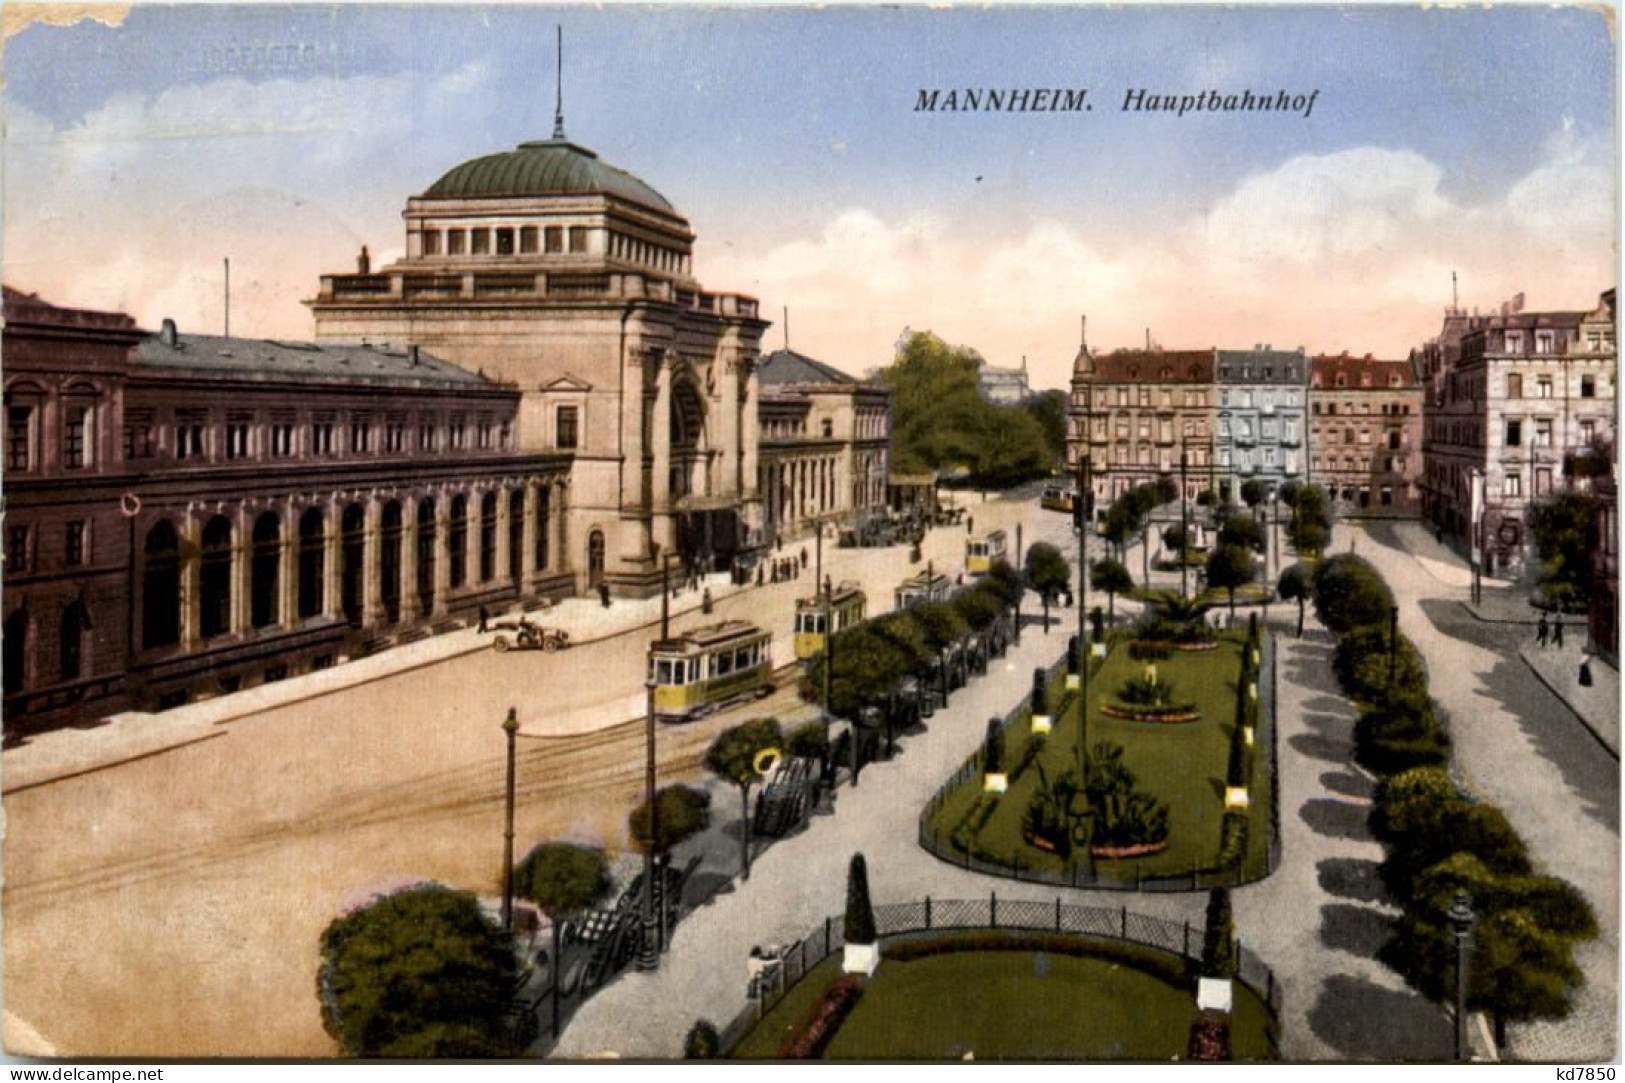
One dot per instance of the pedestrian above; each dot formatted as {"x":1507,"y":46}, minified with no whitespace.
{"x":1557,"y":633}
{"x":705,"y":601}
{"x":603,"y":594}
{"x":1541,"y":632}
{"x":970,"y":524}
{"x":485,"y":615}
{"x":803,"y":556}
{"x":760,"y":571}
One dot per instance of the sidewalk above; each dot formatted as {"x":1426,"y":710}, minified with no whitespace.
{"x":1559,"y":669}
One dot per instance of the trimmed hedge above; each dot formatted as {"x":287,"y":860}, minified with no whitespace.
{"x":1361,"y":664}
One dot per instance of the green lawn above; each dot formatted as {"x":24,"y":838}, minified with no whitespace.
{"x":1010,"y":1005}
{"x":1182,"y":764}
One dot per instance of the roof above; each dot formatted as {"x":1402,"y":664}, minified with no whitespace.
{"x":709,"y":636}
{"x":20,"y":307}
{"x":789,"y":367}
{"x":1155,"y":366}
{"x":267,"y":359}
{"x":1326,"y":369}
{"x":544,"y":169}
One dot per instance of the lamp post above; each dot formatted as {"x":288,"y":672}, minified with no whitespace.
{"x":1393,"y":646}
{"x":1461,"y":923}
{"x":510,"y":726}
{"x":649,"y":949}
{"x":1184,"y":519}
{"x":1022,"y":584}
{"x":826,"y":795}
{"x":1085,"y":492}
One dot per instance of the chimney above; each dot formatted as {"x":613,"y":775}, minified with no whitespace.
{"x":167,"y":334}
{"x":412,"y":355}
{"x":363,"y":262}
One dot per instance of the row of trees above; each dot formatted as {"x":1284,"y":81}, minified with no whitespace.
{"x":1439,"y":842}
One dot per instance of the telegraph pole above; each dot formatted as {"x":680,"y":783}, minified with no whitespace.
{"x":1184,"y":519}
{"x":510,"y":726}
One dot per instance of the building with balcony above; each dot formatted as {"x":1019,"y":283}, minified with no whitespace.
{"x":824,"y":444}
{"x":1259,"y":419}
{"x":1512,"y":396}
{"x":1365,"y":433}
{"x":549,"y":269}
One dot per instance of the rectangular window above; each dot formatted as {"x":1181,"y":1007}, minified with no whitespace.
{"x":426,"y":436}
{"x":1122,"y":396}
{"x":555,"y":239}
{"x":1514,"y":385}
{"x":17,"y":551}
{"x":504,"y":242}
{"x":19,"y":433}
{"x":1545,"y":342}
{"x":1514,"y":486}
{"x":567,"y":434}
{"x":457,"y":431}
{"x":485,"y":434}
{"x":578,"y":239}
{"x":1167,"y":400}
{"x":1588,"y":387}
{"x":138,"y":441}
{"x":282,"y":440}
{"x":395,"y":437}
{"x":236,"y":440}
{"x":456,"y":241}
{"x":73,"y":436}
{"x":1514,"y":342}
{"x":527,"y":240}
{"x":1514,"y":434}
{"x":321,"y":438}
{"x":360,"y":436}
{"x":1331,"y":409}
{"x":73,"y":544}
{"x":1543,"y":387}
{"x":479,"y":242}
{"x":1543,"y":433}
{"x":1588,"y":432}
{"x":431,"y":242}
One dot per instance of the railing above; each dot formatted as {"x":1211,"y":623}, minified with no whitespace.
{"x":1082,"y":876}
{"x":792,"y":963}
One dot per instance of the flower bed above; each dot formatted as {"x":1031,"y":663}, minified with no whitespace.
{"x":1170,"y":645}
{"x":1144,"y":849}
{"x":814,"y":1033}
{"x":1183,"y":713}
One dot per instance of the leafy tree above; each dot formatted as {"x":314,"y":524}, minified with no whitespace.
{"x":1048,"y":408}
{"x":976,"y":607}
{"x":1012,"y":449}
{"x":1564,"y":526}
{"x":1401,"y":733}
{"x":563,"y":880}
{"x":1350,"y":593}
{"x":1048,"y":574}
{"x":1296,"y":585}
{"x":1165,"y":489}
{"x":1244,"y":531}
{"x":1004,"y":582}
{"x":1411,"y":802}
{"x":1310,"y":528}
{"x":703,"y":1042}
{"x":941,"y":626}
{"x":1361,"y":664}
{"x":1219,"y":936}
{"x":684,"y":813}
{"x":1463,"y":827}
{"x":868,"y":665}
{"x":859,"y":927}
{"x":809,"y":742}
{"x":1207,"y":498}
{"x":1229,"y":567}
{"x":1110,"y":576}
{"x":732,"y":757}
{"x":1253,"y":492}
{"x":422,"y":968}
{"x":1287,"y":492}
{"x":1177,"y":539}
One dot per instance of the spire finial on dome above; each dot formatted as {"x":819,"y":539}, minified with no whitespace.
{"x":558,"y":106}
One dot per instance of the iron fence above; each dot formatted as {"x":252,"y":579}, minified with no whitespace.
{"x":1102,"y":923}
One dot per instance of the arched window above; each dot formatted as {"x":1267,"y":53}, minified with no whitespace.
{"x":516,"y":534}
{"x":488,"y":537}
{"x":161,"y":588}
{"x":544,"y":496}
{"x":352,"y":554}
{"x":389,"y":562}
{"x":595,"y":558}
{"x":70,"y":644}
{"x":265,"y":571}
{"x":312,"y":563}
{"x":425,"y":544}
{"x":214,"y":579}
{"x":457,"y":541}
{"x":15,"y":661}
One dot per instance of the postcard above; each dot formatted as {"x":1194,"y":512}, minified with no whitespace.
{"x":1063,"y":533}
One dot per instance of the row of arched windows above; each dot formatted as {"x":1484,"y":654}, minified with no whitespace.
{"x":72,"y":655}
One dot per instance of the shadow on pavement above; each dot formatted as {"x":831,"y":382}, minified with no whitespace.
{"x":1347,"y":783}
{"x":1358,"y":930}
{"x":1351,"y":878}
{"x":1363,"y":1021}
{"x":1335,"y":819}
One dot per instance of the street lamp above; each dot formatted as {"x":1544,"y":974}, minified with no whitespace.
{"x":1021,"y":574}
{"x":1393,"y":646}
{"x":510,"y":726}
{"x":826,"y":794}
{"x":1461,"y":923}
{"x":649,"y":949}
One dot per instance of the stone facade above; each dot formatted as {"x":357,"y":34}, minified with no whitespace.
{"x":1513,"y":396}
{"x":571,"y":279}
{"x":1261,"y":420}
{"x":1365,"y":432}
{"x":825,"y":444}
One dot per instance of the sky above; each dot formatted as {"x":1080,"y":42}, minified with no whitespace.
{"x":136,"y":157}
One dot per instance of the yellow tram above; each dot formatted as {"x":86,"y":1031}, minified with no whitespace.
{"x":922,"y":588}
{"x":703,"y":669}
{"x":980,"y":553}
{"x":1057,"y":498}
{"x":846,"y":608}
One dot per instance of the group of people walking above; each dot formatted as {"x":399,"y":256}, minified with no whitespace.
{"x":1549,"y":632}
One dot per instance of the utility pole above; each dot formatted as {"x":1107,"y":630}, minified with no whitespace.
{"x":1085,"y":491}
{"x":1021,"y":575}
{"x":510,"y":726}
{"x":649,"y":949}
{"x":1461,"y":923}
{"x":1184,"y":520}
{"x":228,"y":297}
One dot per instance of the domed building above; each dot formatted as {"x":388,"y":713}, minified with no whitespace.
{"x":550,"y":269}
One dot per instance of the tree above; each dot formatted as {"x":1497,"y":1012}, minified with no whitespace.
{"x":1004,"y":581}
{"x":1048,"y":574}
{"x":1350,"y":593}
{"x":1111,"y":577}
{"x":1244,"y":531}
{"x":684,"y":812}
{"x":941,"y":626}
{"x":732,"y":757}
{"x":1219,"y":936}
{"x":1296,"y":585}
{"x":1177,"y":539}
{"x":1310,"y":528}
{"x":859,"y":926}
{"x":1361,"y":664}
{"x":420,"y":968}
{"x":563,"y":879}
{"x":868,"y":665}
{"x":1253,"y":492}
{"x":810,"y":741}
{"x":703,"y":1042}
{"x":1229,"y":567}
{"x":1564,"y":526}
{"x":1048,"y":408}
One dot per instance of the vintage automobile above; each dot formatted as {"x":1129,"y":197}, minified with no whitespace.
{"x":528,"y":636}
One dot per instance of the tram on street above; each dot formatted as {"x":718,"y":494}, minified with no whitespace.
{"x":1058,"y":498}
{"x":981,"y":552}
{"x":923,"y":588}
{"x":847,"y":605}
{"x":706,"y":668}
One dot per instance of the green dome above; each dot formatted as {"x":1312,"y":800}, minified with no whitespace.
{"x":544,"y":169}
